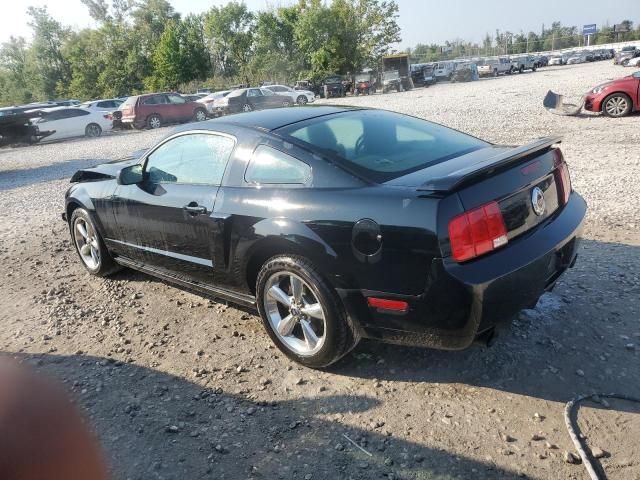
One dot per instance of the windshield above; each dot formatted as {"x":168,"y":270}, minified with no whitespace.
{"x":380,"y":145}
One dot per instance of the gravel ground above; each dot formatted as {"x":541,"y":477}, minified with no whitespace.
{"x":177,"y":386}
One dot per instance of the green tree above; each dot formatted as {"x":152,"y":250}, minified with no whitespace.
{"x":168,"y":60}
{"x":13,"y":71}
{"x":229,"y":33}
{"x":51,"y":72}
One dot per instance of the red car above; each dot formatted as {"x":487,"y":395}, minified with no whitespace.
{"x":617,"y":98}
{"x":156,"y":109}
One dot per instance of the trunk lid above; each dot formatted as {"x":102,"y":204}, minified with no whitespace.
{"x":524,"y":181}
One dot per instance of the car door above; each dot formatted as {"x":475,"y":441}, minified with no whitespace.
{"x":66,"y":123}
{"x":271,"y":100}
{"x":255,"y":98}
{"x":165,"y":221}
{"x":181,"y":109}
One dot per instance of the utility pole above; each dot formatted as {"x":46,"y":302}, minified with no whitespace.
{"x":553,"y":41}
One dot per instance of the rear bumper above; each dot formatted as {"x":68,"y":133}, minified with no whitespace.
{"x":463,"y":300}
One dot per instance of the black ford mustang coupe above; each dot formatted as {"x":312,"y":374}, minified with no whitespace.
{"x":338,"y":224}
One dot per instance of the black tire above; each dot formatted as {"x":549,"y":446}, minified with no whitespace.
{"x":521,"y":69}
{"x":93,"y":130}
{"x":302,"y":100}
{"x":247,"y":107}
{"x":534,"y":68}
{"x":495,"y":72}
{"x":286,"y":103}
{"x":619,"y":98}
{"x":341,"y":336}
{"x":154,"y":121}
{"x":105,"y":265}
{"x":199,"y":115}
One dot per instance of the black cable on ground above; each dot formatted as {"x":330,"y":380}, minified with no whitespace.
{"x":586,"y":459}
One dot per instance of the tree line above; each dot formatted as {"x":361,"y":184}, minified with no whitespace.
{"x":556,"y":37}
{"x":145,"y":45}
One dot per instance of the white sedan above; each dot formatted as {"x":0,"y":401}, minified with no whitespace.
{"x":210,"y":101}
{"x":68,"y":122}
{"x":301,"y":97}
{"x":105,"y":105}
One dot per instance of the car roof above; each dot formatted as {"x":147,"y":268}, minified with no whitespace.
{"x":268,"y":120}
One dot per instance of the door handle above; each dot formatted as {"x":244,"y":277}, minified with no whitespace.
{"x":195,"y":209}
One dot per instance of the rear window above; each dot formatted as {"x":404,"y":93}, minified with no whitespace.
{"x":381,"y":146}
{"x":236,"y":93}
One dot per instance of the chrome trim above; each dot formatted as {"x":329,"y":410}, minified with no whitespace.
{"x":166,"y":253}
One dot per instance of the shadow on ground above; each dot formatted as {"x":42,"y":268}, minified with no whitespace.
{"x":155,"y":425}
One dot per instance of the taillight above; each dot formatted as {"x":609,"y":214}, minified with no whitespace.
{"x":563,"y":180}
{"x":477,"y":232}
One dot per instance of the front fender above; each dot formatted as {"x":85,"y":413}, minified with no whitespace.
{"x":78,"y":195}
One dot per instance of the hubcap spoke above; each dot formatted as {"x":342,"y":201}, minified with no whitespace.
{"x":279,"y":296}
{"x":285,"y":327}
{"x":296,"y":288}
{"x":314,"y":310}
{"x":294,"y":312}
{"x":94,"y":255}
{"x":85,"y":250}
{"x":310,"y":336}
{"x":82,"y":230}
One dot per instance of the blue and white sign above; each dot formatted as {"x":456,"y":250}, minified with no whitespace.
{"x":589,"y":29}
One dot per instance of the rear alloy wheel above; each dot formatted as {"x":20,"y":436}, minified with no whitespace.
{"x":616,"y":105}
{"x":154,"y":121}
{"x":247,"y":107}
{"x":200,"y":115}
{"x":302,"y":313}
{"x":286,"y":103}
{"x":89,"y":245}
{"x":93,"y":130}
{"x":521,"y":69}
{"x":302,"y":100}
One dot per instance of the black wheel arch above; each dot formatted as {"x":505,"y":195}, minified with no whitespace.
{"x":288,"y":238}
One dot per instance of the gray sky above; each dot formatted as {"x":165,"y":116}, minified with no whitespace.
{"x":422,"y":21}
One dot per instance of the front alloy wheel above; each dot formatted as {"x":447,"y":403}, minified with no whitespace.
{"x":617,"y":105}
{"x":89,"y":245}
{"x":247,"y":107}
{"x":302,"y":100}
{"x":302,"y":312}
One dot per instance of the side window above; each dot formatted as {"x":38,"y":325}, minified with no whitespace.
{"x":269,"y":165}
{"x":75,"y":113}
{"x":196,"y":159}
{"x":254,"y":92}
{"x":176,"y":99}
{"x":150,"y":100}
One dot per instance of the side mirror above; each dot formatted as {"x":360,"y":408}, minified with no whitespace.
{"x":130,"y":175}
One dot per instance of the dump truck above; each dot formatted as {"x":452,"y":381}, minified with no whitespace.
{"x":399,"y":63}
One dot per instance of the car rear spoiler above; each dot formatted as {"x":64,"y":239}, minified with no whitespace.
{"x":466,"y":172}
